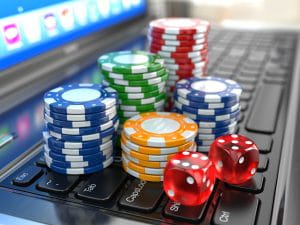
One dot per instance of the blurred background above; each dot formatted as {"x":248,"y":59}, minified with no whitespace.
{"x":250,"y":13}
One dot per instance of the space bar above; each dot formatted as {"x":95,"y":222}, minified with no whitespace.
{"x":265,"y":110}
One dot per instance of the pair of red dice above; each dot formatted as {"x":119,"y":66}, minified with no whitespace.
{"x":189,"y":177}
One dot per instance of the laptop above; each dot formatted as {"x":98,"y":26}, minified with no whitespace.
{"x":44,"y":44}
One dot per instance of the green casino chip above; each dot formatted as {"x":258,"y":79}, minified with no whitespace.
{"x":130,"y":62}
{"x":128,"y":89}
{"x":144,"y":101}
{"x":139,"y":83}
{"x":143,"y":108}
{"x":134,"y":76}
{"x":126,"y":96}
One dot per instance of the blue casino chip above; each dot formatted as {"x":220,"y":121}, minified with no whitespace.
{"x":79,"y":171}
{"x":78,"y":124}
{"x":71,"y":164}
{"x":202,"y":105}
{"x":217,"y":130}
{"x":78,"y":158}
{"x":216,"y":135}
{"x":51,"y":141}
{"x":82,"y":117}
{"x":209,"y":89}
{"x":85,"y":130}
{"x":207,"y":112}
{"x":200,"y":118}
{"x":82,"y":151}
{"x":80,"y":98}
{"x":83,"y":138}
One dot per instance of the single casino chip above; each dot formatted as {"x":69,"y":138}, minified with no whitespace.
{"x":145,"y":157}
{"x":137,"y":83}
{"x":51,"y":141}
{"x":141,"y":108}
{"x":172,"y":43}
{"x":155,"y":151}
{"x":200,"y":105}
{"x":199,"y":118}
{"x":180,"y":37}
{"x":136,"y":89}
{"x":150,"y":94}
{"x":144,"y":101}
{"x":207,"y":112}
{"x":214,"y":136}
{"x":160,"y":47}
{"x":190,"y":73}
{"x":85,"y":130}
{"x":130,"y":62}
{"x":195,"y":54}
{"x":142,"y":176}
{"x":141,"y":169}
{"x":180,"y":25}
{"x":160,"y":129}
{"x":79,"y":124}
{"x":81,"y":171}
{"x":134,"y":76}
{"x":203,"y":142}
{"x":82,"y":117}
{"x":80,"y":98}
{"x":193,"y":66}
{"x":218,"y":130}
{"x":215,"y":124}
{"x":184,"y":60}
{"x":145,"y":163}
{"x":83,"y":151}
{"x":209,"y":89}
{"x":103,"y":155}
{"x":203,"y":149}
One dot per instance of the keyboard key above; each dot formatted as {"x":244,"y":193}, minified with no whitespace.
{"x":142,"y":196}
{"x":247,"y":87}
{"x":245,"y":96}
{"x":247,"y":79}
{"x":263,"y":163}
{"x":186,"y":213}
{"x":274,"y":80}
{"x":41,"y":161}
{"x":244,"y":106}
{"x":264,"y":142}
{"x":27,"y":176}
{"x":255,"y":185}
{"x":266,"y":103}
{"x":102,"y":186}
{"x":236,"y":208}
{"x":57,"y":183}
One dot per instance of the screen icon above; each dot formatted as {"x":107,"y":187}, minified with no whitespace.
{"x":80,"y":12}
{"x":104,"y":7}
{"x":50,"y":23}
{"x":12,"y":36}
{"x":66,"y":18}
{"x":31,"y":28}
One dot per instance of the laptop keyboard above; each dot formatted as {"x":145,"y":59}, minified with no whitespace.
{"x":262,"y":63}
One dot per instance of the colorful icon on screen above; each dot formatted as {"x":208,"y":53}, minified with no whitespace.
{"x":50,"y":23}
{"x":31,"y":28}
{"x":104,"y":7}
{"x":12,"y":36}
{"x":66,"y":18}
{"x":80,"y":11}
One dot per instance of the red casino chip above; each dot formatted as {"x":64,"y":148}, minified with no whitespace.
{"x":198,"y":72}
{"x":173,"y":37}
{"x":188,"y":43}
{"x":180,"y":25}
{"x":192,"y":66}
{"x":178,"y":48}
{"x":202,"y":53}
{"x":184,"y":60}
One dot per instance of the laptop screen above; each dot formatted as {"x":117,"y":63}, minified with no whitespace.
{"x":29,"y":28}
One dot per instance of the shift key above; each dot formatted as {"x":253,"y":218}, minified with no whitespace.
{"x":265,"y":110}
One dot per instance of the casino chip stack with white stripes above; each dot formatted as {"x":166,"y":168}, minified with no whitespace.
{"x":149,"y":140}
{"x":182,"y":42}
{"x":139,"y":78}
{"x":81,"y":123}
{"x":213,"y":103}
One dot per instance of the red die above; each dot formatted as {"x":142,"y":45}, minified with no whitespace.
{"x":235,"y":157}
{"x":189,"y":178}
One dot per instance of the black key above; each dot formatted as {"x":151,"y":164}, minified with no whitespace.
{"x":264,"y":142}
{"x":236,"y":208}
{"x":249,"y":73}
{"x":255,"y":185}
{"x":247,"y":87}
{"x":57,"y":183}
{"x":41,"y":161}
{"x":266,"y":103}
{"x":263,"y":163}
{"x":186,"y":213}
{"x":247,"y":79}
{"x":224,"y":74}
{"x":27,"y":176}
{"x":245,"y":96}
{"x":244,"y":106}
{"x":102,"y":186}
{"x":142,"y":196}
{"x":274,"y":80}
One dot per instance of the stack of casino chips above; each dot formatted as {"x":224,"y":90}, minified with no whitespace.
{"x":149,"y":140}
{"x":81,"y":122}
{"x":140,"y":79}
{"x":182,"y":42}
{"x":213,"y":103}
